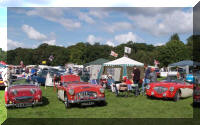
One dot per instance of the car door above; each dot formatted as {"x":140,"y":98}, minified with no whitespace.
{"x":186,"y":90}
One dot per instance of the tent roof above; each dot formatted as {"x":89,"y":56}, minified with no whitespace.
{"x":124,"y":61}
{"x":185,"y":63}
{"x":99,"y":61}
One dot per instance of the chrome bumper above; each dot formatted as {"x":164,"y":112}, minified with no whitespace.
{"x":23,"y":104}
{"x":89,"y":100}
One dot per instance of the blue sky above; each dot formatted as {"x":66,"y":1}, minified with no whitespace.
{"x":30,"y":27}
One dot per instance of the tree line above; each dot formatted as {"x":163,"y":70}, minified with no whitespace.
{"x":173,"y":51}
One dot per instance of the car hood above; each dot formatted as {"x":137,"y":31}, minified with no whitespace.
{"x":165,"y":84}
{"x":23,"y":90}
{"x":83,"y":86}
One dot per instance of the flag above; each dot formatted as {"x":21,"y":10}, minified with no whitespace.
{"x":44,"y":62}
{"x":156,"y":62}
{"x":112,"y":53}
{"x":127,"y":50}
{"x":51,"y":58}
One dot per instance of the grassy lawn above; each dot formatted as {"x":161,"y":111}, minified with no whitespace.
{"x":117,"y":107}
{"x":3,"y":112}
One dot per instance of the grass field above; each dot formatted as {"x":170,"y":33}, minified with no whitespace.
{"x":3,"y":112}
{"x":117,"y":107}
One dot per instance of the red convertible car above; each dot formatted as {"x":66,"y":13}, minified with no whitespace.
{"x":171,"y":87}
{"x":23,"y":95}
{"x":196,"y":96}
{"x":71,"y":90}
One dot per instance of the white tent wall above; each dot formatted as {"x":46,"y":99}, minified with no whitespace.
{"x":49,"y":80}
{"x":94,"y":70}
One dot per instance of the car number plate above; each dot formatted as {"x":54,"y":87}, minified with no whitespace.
{"x":87,"y":103}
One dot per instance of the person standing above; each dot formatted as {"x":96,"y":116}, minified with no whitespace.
{"x":153,"y":76}
{"x":136,"y":79}
{"x":146,"y":77}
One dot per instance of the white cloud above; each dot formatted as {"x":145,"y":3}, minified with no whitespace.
{"x":85,"y":17}
{"x":3,"y":38}
{"x":32,"y":33}
{"x":159,"y":44}
{"x":123,"y":38}
{"x":92,"y":39}
{"x":110,"y":43}
{"x":55,"y":15}
{"x":118,"y":26}
{"x":177,"y":21}
{"x":14,"y":44}
{"x":98,"y":12}
{"x":50,"y":42}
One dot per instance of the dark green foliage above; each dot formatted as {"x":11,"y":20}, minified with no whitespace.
{"x":82,"y":53}
{"x":3,"y":56}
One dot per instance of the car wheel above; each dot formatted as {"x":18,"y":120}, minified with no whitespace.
{"x":67,"y":104}
{"x":177,"y":96}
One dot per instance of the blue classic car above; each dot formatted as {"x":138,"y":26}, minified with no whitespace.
{"x":41,"y":76}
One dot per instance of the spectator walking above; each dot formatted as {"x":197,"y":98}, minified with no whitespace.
{"x":153,"y":76}
{"x":136,"y":79}
{"x":146,"y":78}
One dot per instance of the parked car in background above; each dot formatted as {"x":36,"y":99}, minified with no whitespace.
{"x":157,"y":72}
{"x":1,"y":81}
{"x":23,"y":95}
{"x":171,"y":87}
{"x":71,"y":90}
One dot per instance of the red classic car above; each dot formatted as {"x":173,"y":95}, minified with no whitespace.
{"x":196,"y":96}
{"x":23,"y":95}
{"x":171,"y":87}
{"x":71,"y":90}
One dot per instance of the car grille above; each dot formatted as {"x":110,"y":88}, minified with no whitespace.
{"x":160,"y":89}
{"x":85,"y":95}
{"x":24,"y":99}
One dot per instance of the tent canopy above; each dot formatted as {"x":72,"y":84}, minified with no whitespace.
{"x":123,"y":61}
{"x":185,"y":63}
{"x":99,"y":61}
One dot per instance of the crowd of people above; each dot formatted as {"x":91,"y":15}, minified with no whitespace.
{"x":150,"y":76}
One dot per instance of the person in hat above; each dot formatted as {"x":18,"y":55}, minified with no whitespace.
{"x":153,"y":76}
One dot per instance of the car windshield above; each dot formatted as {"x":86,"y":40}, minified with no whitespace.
{"x":173,"y":79}
{"x":71,"y":82}
{"x":43,"y":73}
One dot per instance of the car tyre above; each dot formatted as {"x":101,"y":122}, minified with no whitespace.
{"x":67,"y":104}
{"x":177,"y":96}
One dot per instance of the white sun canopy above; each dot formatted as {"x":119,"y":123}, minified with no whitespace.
{"x":124,"y":61}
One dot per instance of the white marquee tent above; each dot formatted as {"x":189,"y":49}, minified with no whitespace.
{"x":123,"y":61}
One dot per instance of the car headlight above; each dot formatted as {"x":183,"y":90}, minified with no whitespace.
{"x":102,"y":90}
{"x":148,"y":87}
{"x":171,"y":89}
{"x":32,"y":91}
{"x":14,"y":92}
{"x":71,"y":91}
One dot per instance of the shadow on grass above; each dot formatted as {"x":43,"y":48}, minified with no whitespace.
{"x":195,"y":105}
{"x":164,"y":99}
{"x":2,"y":87}
{"x":88,"y":106}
